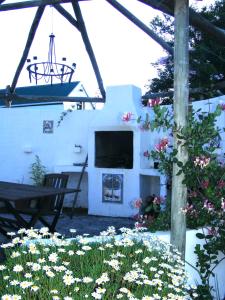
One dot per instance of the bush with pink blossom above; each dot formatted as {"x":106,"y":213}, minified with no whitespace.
{"x":204,"y":176}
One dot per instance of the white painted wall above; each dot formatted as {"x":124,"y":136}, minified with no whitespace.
{"x":21,"y":130}
{"x":22,"y":138}
{"x":191,"y":259}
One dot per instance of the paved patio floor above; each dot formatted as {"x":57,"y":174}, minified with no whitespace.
{"x":85,"y":223}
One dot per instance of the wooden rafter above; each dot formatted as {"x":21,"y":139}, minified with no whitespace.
{"x":30,"y":38}
{"x":88,"y":46}
{"x":29,"y":4}
{"x":217,"y":86}
{"x":66,"y":15}
{"x":141,"y":25}
{"x":10,"y":97}
{"x":196,"y":20}
{"x":166,"y":6}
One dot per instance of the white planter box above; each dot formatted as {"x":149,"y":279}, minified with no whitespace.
{"x":190,"y":257}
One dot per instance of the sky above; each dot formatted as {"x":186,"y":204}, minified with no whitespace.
{"x":124,"y":53}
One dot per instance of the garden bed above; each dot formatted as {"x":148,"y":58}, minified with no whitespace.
{"x":129,"y":266}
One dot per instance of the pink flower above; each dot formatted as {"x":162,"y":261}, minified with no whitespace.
{"x":139,"y":225}
{"x":157,"y":200}
{"x":208,"y":205}
{"x":221,"y":184}
{"x":205,"y":184}
{"x":193,"y":194}
{"x":138,"y":203}
{"x":189,"y":209}
{"x":201,"y":161}
{"x":223,"y":204}
{"x":222,"y":106}
{"x":162,"y":145}
{"x":212,"y":231}
{"x":127,"y":116}
{"x":146,"y":154}
{"x":153,"y":102}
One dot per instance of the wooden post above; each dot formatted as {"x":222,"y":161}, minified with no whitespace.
{"x":181,"y":95}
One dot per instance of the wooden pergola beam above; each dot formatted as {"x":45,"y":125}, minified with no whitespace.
{"x":29,"y":4}
{"x":88,"y":46}
{"x":159,"y":5}
{"x":217,"y":86}
{"x":141,"y":25}
{"x":196,"y":20}
{"x":30,"y":38}
{"x":66,"y":15}
{"x":11,"y":97}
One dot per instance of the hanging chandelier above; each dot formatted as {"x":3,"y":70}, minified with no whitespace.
{"x":50,"y":70}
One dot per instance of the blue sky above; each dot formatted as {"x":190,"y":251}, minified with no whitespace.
{"x":124,"y":53}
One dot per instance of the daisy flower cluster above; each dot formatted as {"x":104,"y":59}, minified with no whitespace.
{"x":132,"y":266}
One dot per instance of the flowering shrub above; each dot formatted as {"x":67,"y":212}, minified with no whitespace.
{"x":153,"y":102}
{"x":149,"y":210}
{"x":117,"y":268}
{"x":64,"y":113}
{"x":204,"y":176}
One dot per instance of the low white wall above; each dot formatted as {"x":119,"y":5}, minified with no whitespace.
{"x":191,"y":258}
{"x":22,"y":131}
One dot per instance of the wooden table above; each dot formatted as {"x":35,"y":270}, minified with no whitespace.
{"x":11,"y":192}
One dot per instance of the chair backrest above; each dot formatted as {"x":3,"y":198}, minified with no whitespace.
{"x":56,"y":180}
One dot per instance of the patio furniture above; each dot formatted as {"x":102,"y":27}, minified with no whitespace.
{"x":11,"y":193}
{"x":50,"y":206}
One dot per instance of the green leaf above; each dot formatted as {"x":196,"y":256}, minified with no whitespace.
{"x":200,"y":235}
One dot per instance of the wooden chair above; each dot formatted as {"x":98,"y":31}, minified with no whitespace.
{"x":49,"y":207}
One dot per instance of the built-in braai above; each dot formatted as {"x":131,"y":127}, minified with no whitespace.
{"x":114,"y":149}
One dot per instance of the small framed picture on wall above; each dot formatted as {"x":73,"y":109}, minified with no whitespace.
{"x":48,"y":126}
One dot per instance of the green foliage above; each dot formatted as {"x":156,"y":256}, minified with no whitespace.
{"x":37,"y":171}
{"x":64,"y":114}
{"x":207,"y":63}
{"x":204,"y":176}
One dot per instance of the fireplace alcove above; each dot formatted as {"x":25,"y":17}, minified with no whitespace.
{"x":114,"y":149}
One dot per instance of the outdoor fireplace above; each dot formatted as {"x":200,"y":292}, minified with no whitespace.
{"x":114,"y":149}
{"x":117,"y":172}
